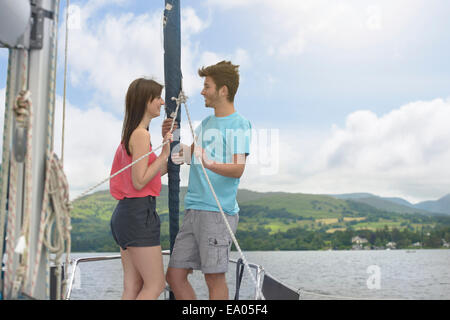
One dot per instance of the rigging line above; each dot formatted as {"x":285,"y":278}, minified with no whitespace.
{"x":65,"y":79}
{"x":128,"y":166}
{"x":23,"y":116}
{"x":218,"y":203}
{"x":5,"y":157}
{"x":23,"y":102}
{"x":49,"y":196}
{"x":8,"y":186}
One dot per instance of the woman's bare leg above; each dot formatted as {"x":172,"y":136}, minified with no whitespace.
{"x":132,"y":280}
{"x":149,"y":263}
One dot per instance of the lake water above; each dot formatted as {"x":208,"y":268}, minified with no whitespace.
{"x":394,"y":274}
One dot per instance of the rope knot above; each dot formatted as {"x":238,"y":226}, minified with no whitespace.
{"x":22,"y":107}
{"x":182,"y":98}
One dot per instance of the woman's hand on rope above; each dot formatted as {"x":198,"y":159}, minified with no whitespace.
{"x":166,"y":149}
{"x":183,"y":156}
{"x":167,"y":123}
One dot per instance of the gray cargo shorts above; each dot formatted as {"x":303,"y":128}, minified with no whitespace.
{"x":203,"y":242}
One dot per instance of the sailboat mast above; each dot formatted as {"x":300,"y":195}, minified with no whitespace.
{"x":32,"y":66}
{"x":172,"y":74}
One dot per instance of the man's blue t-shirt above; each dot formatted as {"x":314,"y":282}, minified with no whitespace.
{"x":221,"y":137}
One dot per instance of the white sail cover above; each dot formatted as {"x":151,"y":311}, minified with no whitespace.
{"x":14,"y":17}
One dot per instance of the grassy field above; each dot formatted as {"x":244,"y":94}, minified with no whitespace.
{"x":276,"y":213}
{"x":306,"y":206}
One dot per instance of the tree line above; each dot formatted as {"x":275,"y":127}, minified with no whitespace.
{"x":260,"y":239}
{"x":303,"y":239}
{"x":91,"y":230}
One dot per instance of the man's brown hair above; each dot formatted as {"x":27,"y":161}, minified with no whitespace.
{"x":223,"y":73}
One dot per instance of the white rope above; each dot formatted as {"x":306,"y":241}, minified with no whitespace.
{"x":128,"y":166}
{"x":6,"y":162}
{"x":182,"y":98}
{"x":65,"y":79}
{"x":11,"y":230}
{"x":23,"y":116}
{"x":58,"y":214}
{"x":216,"y":199}
{"x":49,"y":206}
{"x":24,"y":119}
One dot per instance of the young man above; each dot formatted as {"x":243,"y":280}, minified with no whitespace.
{"x":223,"y":143}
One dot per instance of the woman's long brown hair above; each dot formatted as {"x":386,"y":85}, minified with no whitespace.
{"x":139,"y":93}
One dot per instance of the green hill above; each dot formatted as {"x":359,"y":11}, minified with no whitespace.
{"x":390,"y":206}
{"x":268,"y":221}
{"x":441,"y":205}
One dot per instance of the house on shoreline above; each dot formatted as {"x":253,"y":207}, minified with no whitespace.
{"x":445,"y":244}
{"x":358,"y":243}
{"x":391,"y":245}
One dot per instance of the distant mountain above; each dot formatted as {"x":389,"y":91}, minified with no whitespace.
{"x":398,"y":205}
{"x":391,"y":204}
{"x":352,"y":196}
{"x":400,"y":201}
{"x":245,"y":195}
{"x":440,"y":206}
{"x":272,"y":220}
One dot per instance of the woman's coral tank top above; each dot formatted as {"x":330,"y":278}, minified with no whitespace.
{"x":121,"y":186}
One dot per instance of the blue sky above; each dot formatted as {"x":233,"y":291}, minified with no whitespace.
{"x":354,"y":94}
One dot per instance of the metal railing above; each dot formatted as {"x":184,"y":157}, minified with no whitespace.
{"x":72,"y":268}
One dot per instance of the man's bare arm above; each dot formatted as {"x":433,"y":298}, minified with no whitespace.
{"x":232,"y":170}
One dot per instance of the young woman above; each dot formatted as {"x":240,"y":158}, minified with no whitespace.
{"x":135,"y":225}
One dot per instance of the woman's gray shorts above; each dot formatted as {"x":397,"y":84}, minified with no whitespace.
{"x":203,"y":242}
{"x":135,"y":223}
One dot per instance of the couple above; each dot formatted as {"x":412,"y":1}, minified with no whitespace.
{"x":203,"y":242}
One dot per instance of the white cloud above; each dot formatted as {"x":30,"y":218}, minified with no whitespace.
{"x":405,"y":153}
{"x":412,"y":136}
{"x":290,"y":27}
{"x":90,"y":141}
{"x":91,"y":137}
{"x":107,"y":53}
{"x":231,"y":4}
{"x":191,"y":23}
{"x":93,"y":6}
{"x":239,"y":57}
{"x":374,"y":18}
{"x":190,"y":52}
